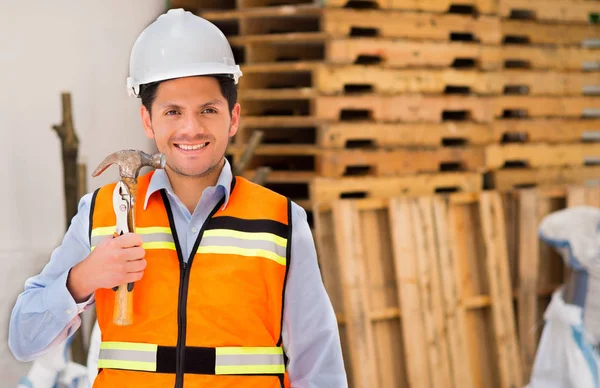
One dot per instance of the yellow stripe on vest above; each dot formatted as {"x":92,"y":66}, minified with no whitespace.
{"x":108,"y":230}
{"x":129,"y":365}
{"x":129,"y":346}
{"x":243,"y":252}
{"x":282,"y":242}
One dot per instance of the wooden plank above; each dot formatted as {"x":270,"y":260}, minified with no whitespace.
{"x":467,"y":249}
{"x":355,"y":294}
{"x":431,"y":292}
{"x":547,"y":130}
{"x":541,"y":155}
{"x":547,"y":106}
{"x":324,"y":233}
{"x":509,"y":358}
{"x":529,"y":263}
{"x":308,"y":78}
{"x":406,"y":267}
{"x":335,"y":79}
{"x":204,"y":4}
{"x":509,"y":179}
{"x":247,"y":4}
{"x":454,"y":304}
{"x":405,"y":53}
{"x":341,"y":23}
{"x":406,"y":108}
{"x":373,"y":162}
{"x":553,"y":10}
{"x":339,"y":135}
{"x":382,"y":291}
{"x":545,"y":33}
{"x":324,"y":190}
{"x":334,"y":163}
{"x":482,"y":6}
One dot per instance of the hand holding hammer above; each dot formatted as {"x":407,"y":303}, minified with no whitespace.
{"x":130,"y":163}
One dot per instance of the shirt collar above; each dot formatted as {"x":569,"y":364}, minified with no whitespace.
{"x":160,"y":181}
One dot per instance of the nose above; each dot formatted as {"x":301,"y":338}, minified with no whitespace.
{"x":193,"y":125}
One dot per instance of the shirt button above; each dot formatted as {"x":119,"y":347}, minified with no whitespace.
{"x":68,"y":311}
{"x":194,"y":230}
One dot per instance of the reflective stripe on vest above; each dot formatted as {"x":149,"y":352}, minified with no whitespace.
{"x":155,"y":237}
{"x":217,"y":361}
{"x":252,"y":238}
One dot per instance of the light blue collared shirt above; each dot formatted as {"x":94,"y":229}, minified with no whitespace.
{"x":46,"y":314}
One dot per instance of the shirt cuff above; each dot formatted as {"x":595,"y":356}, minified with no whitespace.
{"x":60,"y":302}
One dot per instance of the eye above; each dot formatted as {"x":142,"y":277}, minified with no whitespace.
{"x":171,"y":112}
{"x":209,"y":110}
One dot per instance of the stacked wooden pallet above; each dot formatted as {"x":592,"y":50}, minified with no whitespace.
{"x":384,"y":97}
{"x":556,"y":117}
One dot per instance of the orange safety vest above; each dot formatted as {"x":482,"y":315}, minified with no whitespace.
{"x":214,"y":321}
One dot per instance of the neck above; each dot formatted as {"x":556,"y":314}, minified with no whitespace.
{"x":189,"y":189}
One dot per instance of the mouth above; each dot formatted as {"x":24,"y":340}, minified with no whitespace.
{"x":192,"y":147}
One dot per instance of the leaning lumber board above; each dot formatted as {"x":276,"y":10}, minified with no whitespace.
{"x":492,"y":217}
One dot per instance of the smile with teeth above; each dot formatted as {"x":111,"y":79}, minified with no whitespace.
{"x":191,"y":147}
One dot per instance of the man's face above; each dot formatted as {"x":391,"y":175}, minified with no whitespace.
{"x":191,"y":124}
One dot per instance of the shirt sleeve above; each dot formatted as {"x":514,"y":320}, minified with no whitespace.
{"x":45,"y":313}
{"x":310,"y":331}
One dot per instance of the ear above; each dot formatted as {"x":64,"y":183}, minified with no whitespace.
{"x":235,"y":120}
{"x":147,"y":122}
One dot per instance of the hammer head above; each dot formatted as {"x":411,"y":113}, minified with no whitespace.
{"x":131,"y":162}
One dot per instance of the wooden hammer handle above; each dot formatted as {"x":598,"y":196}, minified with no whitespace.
{"x":123,"y":312}
{"x":123,"y":309}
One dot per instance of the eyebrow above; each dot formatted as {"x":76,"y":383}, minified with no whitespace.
{"x":175,"y":106}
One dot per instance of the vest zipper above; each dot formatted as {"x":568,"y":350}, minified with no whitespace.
{"x":184,"y":280}
{"x":182,"y":318}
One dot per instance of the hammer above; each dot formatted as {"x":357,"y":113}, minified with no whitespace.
{"x":130,"y":163}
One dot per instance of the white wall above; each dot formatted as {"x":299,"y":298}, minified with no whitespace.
{"x":47,"y":47}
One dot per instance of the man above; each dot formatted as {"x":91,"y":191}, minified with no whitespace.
{"x":227,"y":289}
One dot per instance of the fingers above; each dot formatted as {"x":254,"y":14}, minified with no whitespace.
{"x":130,"y":254}
{"x":129,"y":240}
{"x":135,"y":266}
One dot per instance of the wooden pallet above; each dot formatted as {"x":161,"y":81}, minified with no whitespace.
{"x":339,"y":135}
{"x":430,"y":305}
{"x":539,"y":177}
{"x":419,"y":108}
{"x":296,"y":161}
{"x":579,"y":11}
{"x":309,"y":78}
{"x":541,"y":155}
{"x":344,"y":135}
{"x":404,"y":53}
{"x":308,"y":131}
{"x":324,"y":190}
{"x":285,"y":23}
{"x":524,"y":106}
{"x":473,"y":6}
{"x":334,"y":163}
{"x":546,"y":130}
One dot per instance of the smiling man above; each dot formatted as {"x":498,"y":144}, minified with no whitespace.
{"x":227,"y":287}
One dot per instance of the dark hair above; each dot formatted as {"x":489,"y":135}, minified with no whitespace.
{"x":226,"y":83}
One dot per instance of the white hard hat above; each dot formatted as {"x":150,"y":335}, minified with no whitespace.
{"x":179,"y":44}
